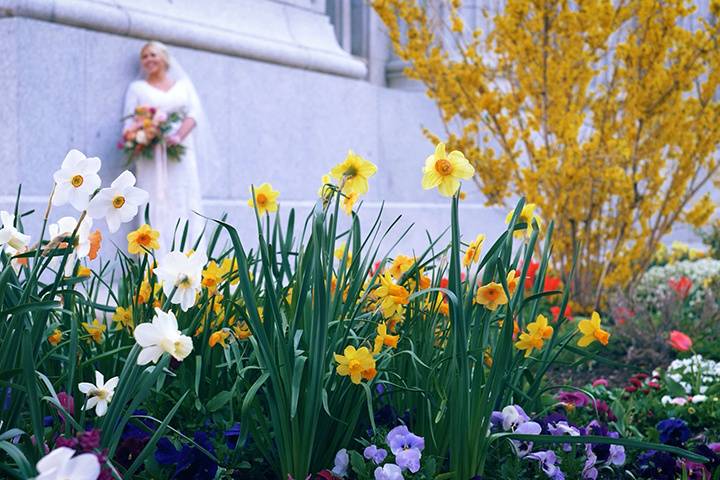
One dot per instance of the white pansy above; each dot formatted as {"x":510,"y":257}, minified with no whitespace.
{"x":9,"y":235}
{"x":161,"y":336}
{"x":76,"y":180}
{"x":61,"y":464}
{"x":118,"y":204}
{"x":64,"y":228}
{"x":100,"y":394}
{"x":181,"y":277}
{"x":699,"y":398}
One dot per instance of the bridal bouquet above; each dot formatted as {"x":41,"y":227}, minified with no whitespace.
{"x":149,"y":127}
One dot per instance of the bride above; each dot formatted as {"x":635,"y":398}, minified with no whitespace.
{"x":174,"y":185}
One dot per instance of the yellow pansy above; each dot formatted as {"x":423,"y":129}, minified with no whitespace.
{"x":445,"y":170}
{"x":265,"y":199}
{"x":353,"y":173}
{"x":142,"y":239}
{"x":591,"y":331}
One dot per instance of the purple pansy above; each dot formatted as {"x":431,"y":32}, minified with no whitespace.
{"x":548,"y":461}
{"x":389,"y":471}
{"x":407,"y":447}
{"x":342,"y":461}
{"x":377,"y":455}
{"x":527,"y":428}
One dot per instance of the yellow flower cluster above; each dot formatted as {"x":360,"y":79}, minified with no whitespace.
{"x":605,"y":117}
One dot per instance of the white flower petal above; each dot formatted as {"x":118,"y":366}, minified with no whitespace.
{"x":149,"y":354}
{"x":55,"y":459}
{"x":85,"y":387}
{"x":147,"y":334}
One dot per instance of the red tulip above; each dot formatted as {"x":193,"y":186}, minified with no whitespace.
{"x":681,"y":287}
{"x":552,"y":283}
{"x":679,"y":341}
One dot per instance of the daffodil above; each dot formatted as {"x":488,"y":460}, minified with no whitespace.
{"x":353,"y":173}
{"x":324,"y":182}
{"x":491,"y":296}
{"x":95,"y":239}
{"x":76,"y":180}
{"x":393,"y":297}
{"x":348,"y":201}
{"x":10,"y":236}
{"x":445,"y":170}
{"x":526,"y":216}
{"x":143,"y":239}
{"x":591,"y":331}
{"x":123,"y":317}
{"x":161,"y":336}
{"x":55,"y":337}
{"x":265,"y":199}
{"x":95,"y":329}
{"x":181,"y":277}
{"x":212,"y":276}
{"x":83,"y":271}
{"x":383,"y":338}
{"x":119,"y":203}
{"x":340,"y":253}
{"x":62,"y":464}
{"x":472,"y":254}
{"x":218,"y":338}
{"x":354,"y":362}
{"x":400,"y":265}
{"x":537,"y":332}
{"x":513,"y":279}
{"x":81,"y":243}
{"x":100,"y":394}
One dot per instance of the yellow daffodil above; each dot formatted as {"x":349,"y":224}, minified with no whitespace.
{"x":340,"y":252}
{"x":348,"y":201}
{"x":357,"y":364}
{"x":212,"y":276}
{"x":242,"y":331}
{"x":353,"y":173}
{"x":383,"y":338}
{"x":414,"y":285}
{"x":324,"y":181}
{"x":513,"y":280}
{"x":538,"y":332}
{"x":142,"y":239}
{"x":591,"y":331}
{"x":265,"y":198}
{"x":400,"y":265}
{"x":55,"y":337}
{"x":393,"y":297}
{"x":526,"y":216}
{"x":95,"y":329}
{"x":83,"y":271}
{"x":491,"y":296}
{"x":218,"y":338}
{"x":472,"y":255}
{"x":123,"y":317}
{"x":445,"y":170}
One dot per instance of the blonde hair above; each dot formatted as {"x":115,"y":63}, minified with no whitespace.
{"x":161,"y":49}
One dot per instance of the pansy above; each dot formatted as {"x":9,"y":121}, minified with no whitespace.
{"x":528,"y":428}
{"x":76,"y":180}
{"x":407,"y":448}
{"x":119,"y":203}
{"x":161,"y":336}
{"x":673,"y":431}
{"x":377,"y":455}
{"x":342,"y":462}
{"x":265,"y":199}
{"x":389,"y":471}
{"x":61,"y":464}
{"x":445,"y":170}
{"x":353,"y":173}
{"x":181,"y":277}
{"x":100,"y":394}
{"x":548,"y":461}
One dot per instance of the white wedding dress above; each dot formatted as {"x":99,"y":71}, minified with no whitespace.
{"x":174,"y":186}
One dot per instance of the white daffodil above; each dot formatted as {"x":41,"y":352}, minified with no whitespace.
{"x":100,"y":394}
{"x":61,"y":464}
{"x":119,"y":203}
{"x":9,"y":235}
{"x":181,"y":277}
{"x":76,"y":180}
{"x":81,"y":248}
{"x":160,"y":336}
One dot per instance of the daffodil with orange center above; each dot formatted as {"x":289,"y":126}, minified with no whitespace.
{"x":242,"y":331}
{"x":212,"y":276}
{"x":55,"y":337}
{"x":526,"y":216}
{"x":393,"y":297}
{"x":348,"y":202}
{"x":83,"y":271}
{"x":383,"y":338}
{"x":472,"y":254}
{"x":538,"y":332}
{"x":265,"y":199}
{"x":143,"y":239}
{"x":591,"y":331}
{"x":95,"y":329}
{"x":513,"y":279}
{"x":491,"y":296}
{"x":400,"y":265}
{"x":218,"y":338}
{"x":445,"y":170}
{"x":353,"y":174}
{"x":354,"y":362}
{"x":123,"y":317}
